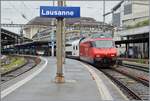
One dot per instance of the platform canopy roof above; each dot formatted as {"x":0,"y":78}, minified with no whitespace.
{"x":10,"y":38}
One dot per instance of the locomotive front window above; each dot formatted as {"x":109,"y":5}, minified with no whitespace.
{"x":103,"y":44}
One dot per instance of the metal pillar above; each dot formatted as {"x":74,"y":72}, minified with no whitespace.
{"x":64,"y":39}
{"x":59,"y":52}
{"x":63,"y":45}
{"x":127,"y":48}
{"x":148,"y":49}
{"x":52,"y":49}
{"x":113,"y":32}
{"x":104,"y":15}
{"x":52,"y":34}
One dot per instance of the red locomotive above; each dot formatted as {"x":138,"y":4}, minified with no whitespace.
{"x":98,"y":51}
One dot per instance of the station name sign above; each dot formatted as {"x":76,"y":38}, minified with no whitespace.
{"x":59,"y":12}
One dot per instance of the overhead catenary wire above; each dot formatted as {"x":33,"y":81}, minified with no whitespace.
{"x":28,"y":7}
{"x":22,"y":14}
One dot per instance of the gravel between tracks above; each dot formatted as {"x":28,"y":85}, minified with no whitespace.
{"x":31,"y":63}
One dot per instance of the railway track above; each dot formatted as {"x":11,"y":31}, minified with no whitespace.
{"x":141,"y":68}
{"x":132,"y":74}
{"x":134,"y":89}
{"x":14,"y":73}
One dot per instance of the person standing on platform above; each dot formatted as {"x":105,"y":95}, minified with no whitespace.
{"x":130,"y":53}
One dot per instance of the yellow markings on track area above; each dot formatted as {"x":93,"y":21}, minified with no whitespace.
{"x":25,"y":80}
{"x":104,"y":92}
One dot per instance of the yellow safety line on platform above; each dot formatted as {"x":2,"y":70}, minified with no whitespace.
{"x":20,"y":83}
{"x":105,"y":95}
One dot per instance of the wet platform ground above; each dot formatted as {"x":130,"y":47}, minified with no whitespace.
{"x":82,"y":83}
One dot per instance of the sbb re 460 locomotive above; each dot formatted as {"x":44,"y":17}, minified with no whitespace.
{"x":99,"y":51}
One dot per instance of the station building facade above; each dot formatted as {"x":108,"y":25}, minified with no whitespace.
{"x":131,"y":19}
{"x":74,"y":27}
{"x":70,"y":23}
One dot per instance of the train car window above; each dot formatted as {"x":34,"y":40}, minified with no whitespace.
{"x":101,"y":35}
{"x":68,"y":44}
{"x":76,"y":47}
{"x":73,"y":47}
{"x":103,"y":44}
{"x":85,"y":40}
{"x":81,"y":40}
{"x":93,"y":44}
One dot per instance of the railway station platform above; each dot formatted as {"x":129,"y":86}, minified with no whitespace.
{"x":82,"y":83}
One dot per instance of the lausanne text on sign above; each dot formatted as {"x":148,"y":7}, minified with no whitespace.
{"x":64,"y":12}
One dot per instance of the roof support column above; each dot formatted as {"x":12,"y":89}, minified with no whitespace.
{"x":59,"y":45}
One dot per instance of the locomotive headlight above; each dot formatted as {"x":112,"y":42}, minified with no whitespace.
{"x":112,"y":54}
{"x":98,"y":56}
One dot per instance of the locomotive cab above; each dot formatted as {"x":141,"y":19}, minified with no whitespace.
{"x":98,"y":51}
{"x":105,"y":52}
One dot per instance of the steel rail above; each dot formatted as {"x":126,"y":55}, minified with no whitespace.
{"x":145,"y":69}
{"x":138,"y":79}
{"x":8,"y":72}
{"x":11,"y":74}
{"x":128,"y":90}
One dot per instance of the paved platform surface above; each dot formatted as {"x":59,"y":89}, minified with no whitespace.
{"x":82,"y":83}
